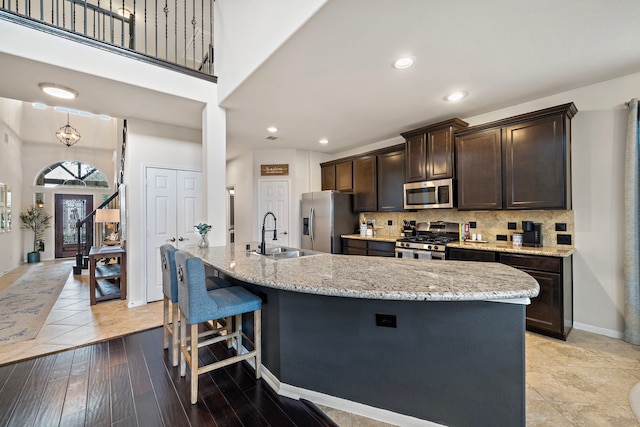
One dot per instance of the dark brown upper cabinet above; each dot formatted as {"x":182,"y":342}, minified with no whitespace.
{"x":391,"y":176}
{"x":479,"y":164}
{"x":328,"y":177}
{"x":537,"y":163}
{"x":344,"y":176}
{"x":430,"y":151}
{"x":365,"y":196}
{"x":522,"y":162}
{"x":416,"y":152}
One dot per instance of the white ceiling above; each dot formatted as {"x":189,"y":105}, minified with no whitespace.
{"x":334,"y":77}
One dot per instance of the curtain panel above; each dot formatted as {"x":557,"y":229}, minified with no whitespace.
{"x":631,"y":225}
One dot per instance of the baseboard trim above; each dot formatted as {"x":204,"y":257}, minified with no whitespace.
{"x":598,"y":330}
{"x":137,"y":303}
{"x":383,"y":415}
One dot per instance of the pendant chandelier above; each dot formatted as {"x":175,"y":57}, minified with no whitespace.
{"x":67,"y":134}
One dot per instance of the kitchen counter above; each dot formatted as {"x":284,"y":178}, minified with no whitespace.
{"x":403,"y":339}
{"x":372,"y":277}
{"x":373,"y":238}
{"x":554,"y":251}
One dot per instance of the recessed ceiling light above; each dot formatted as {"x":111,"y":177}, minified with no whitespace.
{"x":323,"y":141}
{"x":58,"y":91}
{"x":272,"y":129}
{"x":405,"y":62}
{"x":455,"y":96}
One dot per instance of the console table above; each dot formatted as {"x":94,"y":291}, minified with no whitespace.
{"x":107,"y":280}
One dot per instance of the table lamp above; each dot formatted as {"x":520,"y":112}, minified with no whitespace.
{"x":109,"y":217}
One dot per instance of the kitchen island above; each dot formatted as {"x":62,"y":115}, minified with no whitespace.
{"x":399,"y":340}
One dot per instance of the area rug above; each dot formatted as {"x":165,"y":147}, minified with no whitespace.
{"x":26,"y":303}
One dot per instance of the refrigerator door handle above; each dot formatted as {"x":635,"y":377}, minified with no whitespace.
{"x":311,"y":223}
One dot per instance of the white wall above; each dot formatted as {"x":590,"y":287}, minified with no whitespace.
{"x":11,"y":249}
{"x":155,"y":145}
{"x":239,"y":173}
{"x":253,"y":30}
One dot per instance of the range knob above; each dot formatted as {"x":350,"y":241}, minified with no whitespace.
{"x":435,"y":248}
{"x":429,"y":247}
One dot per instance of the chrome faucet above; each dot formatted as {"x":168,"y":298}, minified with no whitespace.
{"x":275,"y":233}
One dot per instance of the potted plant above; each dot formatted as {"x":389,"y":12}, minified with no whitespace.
{"x":203,"y":229}
{"x":36,"y":220}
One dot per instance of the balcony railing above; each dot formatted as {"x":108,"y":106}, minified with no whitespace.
{"x":177,"y":34}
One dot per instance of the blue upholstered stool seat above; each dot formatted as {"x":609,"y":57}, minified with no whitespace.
{"x":199,"y":305}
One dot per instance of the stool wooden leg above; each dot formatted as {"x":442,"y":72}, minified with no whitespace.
{"x":238,"y":330}
{"x":228,"y":321}
{"x":257,"y":340}
{"x":165,"y":333}
{"x":183,"y":344}
{"x":175,"y":334}
{"x":194,"y":364}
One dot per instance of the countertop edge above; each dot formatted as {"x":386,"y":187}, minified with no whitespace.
{"x":523,"y":250}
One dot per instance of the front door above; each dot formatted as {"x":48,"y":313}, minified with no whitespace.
{"x":70,"y":208}
{"x":173,"y":209}
{"x":274,"y":197}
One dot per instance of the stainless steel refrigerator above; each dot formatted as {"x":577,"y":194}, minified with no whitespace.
{"x":325,"y":216}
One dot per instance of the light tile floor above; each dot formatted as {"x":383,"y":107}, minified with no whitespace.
{"x":73,"y":322}
{"x":582,"y":382}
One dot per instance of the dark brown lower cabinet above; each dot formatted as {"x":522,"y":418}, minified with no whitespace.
{"x":368,"y":247}
{"x":470,"y":255}
{"x":551,"y":312}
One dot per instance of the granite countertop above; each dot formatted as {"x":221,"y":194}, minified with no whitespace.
{"x":555,"y":251}
{"x":372,"y":277}
{"x":374,"y":238}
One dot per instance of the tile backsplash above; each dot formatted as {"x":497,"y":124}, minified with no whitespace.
{"x":488,"y":223}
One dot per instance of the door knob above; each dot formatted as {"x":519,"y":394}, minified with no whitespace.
{"x":284,"y":232}
{"x":173,"y":239}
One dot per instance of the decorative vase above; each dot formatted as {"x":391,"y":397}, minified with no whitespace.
{"x":33,"y":257}
{"x":203,"y":242}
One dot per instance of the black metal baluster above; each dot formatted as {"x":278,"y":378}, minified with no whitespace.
{"x":193,"y":34}
{"x":175,"y":33}
{"x":156,"y":29}
{"x":202,"y":32}
{"x":132,"y":28}
{"x":85,"y":17}
{"x":185,"y":34}
{"x":145,"y":26}
{"x":41,"y":9}
{"x":111,"y":23}
{"x":166,"y":30}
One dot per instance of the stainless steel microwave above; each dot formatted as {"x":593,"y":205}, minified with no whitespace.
{"x":435,"y":194}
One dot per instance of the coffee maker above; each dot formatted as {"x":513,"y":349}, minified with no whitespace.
{"x":531,"y":234}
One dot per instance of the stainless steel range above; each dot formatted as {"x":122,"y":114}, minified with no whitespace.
{"x":429,"y":240}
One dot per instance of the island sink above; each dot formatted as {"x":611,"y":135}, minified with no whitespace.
{"x":283,"y":252}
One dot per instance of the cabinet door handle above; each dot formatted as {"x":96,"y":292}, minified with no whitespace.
{"x":180,"y":239}
{"x":173,"y":239}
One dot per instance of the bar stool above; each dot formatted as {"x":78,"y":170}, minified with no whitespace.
{"x":197,"y":305}
{"x":170,"y":291}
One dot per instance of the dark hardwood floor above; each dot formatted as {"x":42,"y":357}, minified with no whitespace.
{"x":129,"y":381}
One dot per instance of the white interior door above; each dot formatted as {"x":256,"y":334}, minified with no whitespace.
{"x":274,"y":197}
{"x":173,"y":208}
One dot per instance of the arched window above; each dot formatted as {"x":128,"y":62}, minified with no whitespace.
{"x":72,"y":174}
